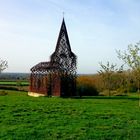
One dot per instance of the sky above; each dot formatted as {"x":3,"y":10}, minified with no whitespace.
{"x":97,"y":28}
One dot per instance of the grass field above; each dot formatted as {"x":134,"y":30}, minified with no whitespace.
{"x":91,"y":118}
{"x":14,"y":83}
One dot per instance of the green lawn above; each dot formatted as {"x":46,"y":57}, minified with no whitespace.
{"x":95,"y":118}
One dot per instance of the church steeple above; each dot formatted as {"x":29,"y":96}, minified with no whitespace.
{"x":63,"y":56}
{"x":63,"y":36}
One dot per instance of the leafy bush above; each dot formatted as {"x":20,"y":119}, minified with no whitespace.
{"x":121,"y":83}
{"x":86,"y":90}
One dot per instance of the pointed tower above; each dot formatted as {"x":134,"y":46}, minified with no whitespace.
{"x":63,"y":55}
{"x":57,"y":77}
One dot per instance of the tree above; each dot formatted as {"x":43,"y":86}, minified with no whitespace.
{"x":3,"y":65}
{"x":107,"y":74}
{"x":131,"y":57}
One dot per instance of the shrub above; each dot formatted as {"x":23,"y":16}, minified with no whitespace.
{"x":86,"y":90}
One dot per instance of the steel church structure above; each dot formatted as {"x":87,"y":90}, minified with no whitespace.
{"x":58,"y":76}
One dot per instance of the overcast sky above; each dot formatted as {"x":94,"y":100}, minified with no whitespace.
{"x":29,"y":30}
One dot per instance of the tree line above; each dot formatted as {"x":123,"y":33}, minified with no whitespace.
{"x":112,"y":80}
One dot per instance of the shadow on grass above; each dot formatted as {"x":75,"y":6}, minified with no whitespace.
{"x":107,"y":97}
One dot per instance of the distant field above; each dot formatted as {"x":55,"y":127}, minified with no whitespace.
{"x":94,"y":118}
{"x":14,"y":83}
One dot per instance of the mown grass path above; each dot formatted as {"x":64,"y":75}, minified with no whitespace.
{"x":95,"y":118}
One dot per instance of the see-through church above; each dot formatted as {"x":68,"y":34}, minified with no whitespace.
{"x":56,"y":77}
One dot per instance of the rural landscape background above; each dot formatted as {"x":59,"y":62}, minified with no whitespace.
{"x":94,"y":114}
{"x":105,"y":37}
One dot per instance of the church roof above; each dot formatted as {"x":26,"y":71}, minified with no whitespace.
{"x":63,"y":58}
{"x":43,"y":66}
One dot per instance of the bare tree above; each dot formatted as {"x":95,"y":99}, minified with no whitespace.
{"x":131,"y":57}
{"x":107,"y":72}
{"x":3,"y":65}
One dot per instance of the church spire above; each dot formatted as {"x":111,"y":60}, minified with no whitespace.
{"x":63,"y":37}
{"x":63,"y":55}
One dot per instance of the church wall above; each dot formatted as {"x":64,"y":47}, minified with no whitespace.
{"x":38,"y":83}
{"x":56,"y":84}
